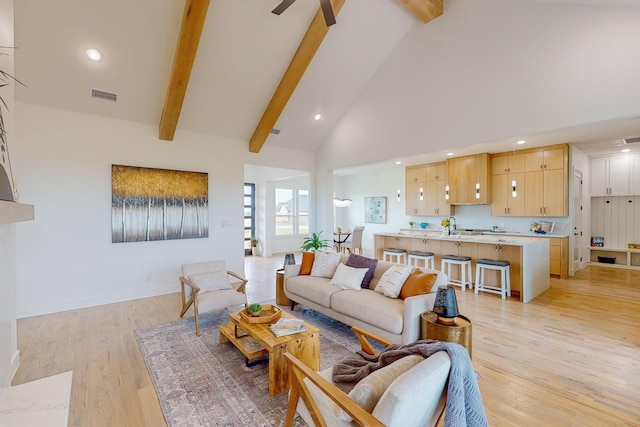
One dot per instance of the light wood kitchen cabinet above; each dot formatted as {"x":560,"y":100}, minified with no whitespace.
{"x":437,"y":203}
{"x":507,"y":184}
{"x":415,"y":186}
{"x":468,"y":179}
{"x":415,"y":174}
{"x":499,"y":252}
{"x":546,"y":181}
{"x":429,"y":245}
{"x":559,"y":257}
{"x":425,"y":190}
{"x":460,"y":248}
{"x":610,"y":176}
{"x":416,"y":202}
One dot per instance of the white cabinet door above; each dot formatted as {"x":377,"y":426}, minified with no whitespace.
{"x":599,"y":172}
{"x":619,"y":175}
{"x":634,"y":174}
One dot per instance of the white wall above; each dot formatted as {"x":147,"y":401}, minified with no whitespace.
{"x":65,"y":258}
{"x":487,"y":70}
{"x":9,"y":355}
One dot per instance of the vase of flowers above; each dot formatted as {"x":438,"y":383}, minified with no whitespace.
{"x":445,"y":226}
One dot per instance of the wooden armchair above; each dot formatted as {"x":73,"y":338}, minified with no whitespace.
{"x":207,"y":287}
{"x":415,"y":393}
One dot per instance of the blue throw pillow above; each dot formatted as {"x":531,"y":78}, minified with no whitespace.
{"x":358,"y":261}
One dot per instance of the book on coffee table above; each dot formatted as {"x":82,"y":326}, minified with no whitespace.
{"x":287,"y":326}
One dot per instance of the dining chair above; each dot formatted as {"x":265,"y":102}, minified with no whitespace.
{"x":356,"y":240}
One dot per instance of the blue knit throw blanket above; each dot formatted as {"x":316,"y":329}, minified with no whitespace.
{"x":464,"y":403}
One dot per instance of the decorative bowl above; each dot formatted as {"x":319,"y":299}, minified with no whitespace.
{"x":423,"y":225}
{"x":270,"y":313}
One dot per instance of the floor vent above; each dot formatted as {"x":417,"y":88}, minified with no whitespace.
{"x":275,"y":131}
{"x":104,"y":95}
{"x":631,"y":140}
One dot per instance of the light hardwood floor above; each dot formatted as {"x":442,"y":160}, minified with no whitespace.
{"x":571,"y":357}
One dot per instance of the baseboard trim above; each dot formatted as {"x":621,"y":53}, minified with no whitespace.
{"x":38,"y":310}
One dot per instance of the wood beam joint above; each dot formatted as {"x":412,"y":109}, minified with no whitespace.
{"x":424,"y":10}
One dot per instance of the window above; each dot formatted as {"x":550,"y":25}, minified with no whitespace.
{"x":292,"y":211}
{"x":249,"y":215}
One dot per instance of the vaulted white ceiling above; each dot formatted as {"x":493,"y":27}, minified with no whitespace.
{"x":243,"y":52}
{"x":242,"y":55}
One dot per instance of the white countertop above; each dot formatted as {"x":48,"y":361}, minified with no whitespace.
{"x":489,"y":238}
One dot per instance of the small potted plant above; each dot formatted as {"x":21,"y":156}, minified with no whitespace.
{"x":314,"y":242}
{"x":254,"y":309}
{"x":411,"y":224}
{"x":254,"y":245}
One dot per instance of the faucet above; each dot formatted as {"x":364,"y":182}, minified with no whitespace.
{"x":452,"y":223}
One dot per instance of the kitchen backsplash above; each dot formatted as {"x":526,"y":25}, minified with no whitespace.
{"x":479,"y":217}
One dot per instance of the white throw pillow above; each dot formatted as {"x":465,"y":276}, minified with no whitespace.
{"x":370,"y":389}
{"x":211,"y":281}
{"x":325,"y":264}
{"x":392,"y":280}
{"x":348,"y":277}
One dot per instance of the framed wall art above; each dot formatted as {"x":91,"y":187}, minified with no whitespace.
{"x":375,"y":210}
{"x":158,"y":204}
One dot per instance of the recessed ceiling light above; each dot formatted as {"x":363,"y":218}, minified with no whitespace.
{"x":625,"y":150}
{"x":522,"y":141}
{"x":317,"y":116}
{"x":398,"y":162}
{"x":449,"y":154}
{"x":94,"y":55}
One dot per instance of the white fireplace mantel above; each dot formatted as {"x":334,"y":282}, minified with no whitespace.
{"x":15,"y":212}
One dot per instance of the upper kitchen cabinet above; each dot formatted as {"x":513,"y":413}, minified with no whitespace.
{"x":436,"y":192}
{"x":507,"y":184}
{"x":468,"y":180}
{"x":546,"y":181}
{"x":426,"y":190}
{"x":415,"y":187}
{"x":610,"y":176}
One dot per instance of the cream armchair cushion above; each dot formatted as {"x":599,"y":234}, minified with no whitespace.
{"x":416,"y":397}
{"x":206,"y":287}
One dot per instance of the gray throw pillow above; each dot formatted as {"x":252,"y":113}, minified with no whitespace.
{"x":358,"y":261}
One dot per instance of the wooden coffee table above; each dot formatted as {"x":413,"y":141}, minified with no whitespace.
{"x":255,"y":340}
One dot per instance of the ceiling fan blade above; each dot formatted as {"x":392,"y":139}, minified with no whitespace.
{"x":282,"y":6}
{"x":327,"y":10}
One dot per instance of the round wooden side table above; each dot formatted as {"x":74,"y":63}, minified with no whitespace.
{"x":281,"y":298}
{"x":459,"y":332}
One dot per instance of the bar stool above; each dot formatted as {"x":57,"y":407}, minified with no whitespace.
{"x":505,"y":277}
{"x":465,"y":268}
{"x":427,"y":257}
{"x":400,"y":255}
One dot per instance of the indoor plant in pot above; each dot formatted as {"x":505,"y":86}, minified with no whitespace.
{"x":314,"y":243}
{"x":254,"y":309}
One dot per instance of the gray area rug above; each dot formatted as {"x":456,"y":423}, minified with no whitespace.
{"x":201,"y":382}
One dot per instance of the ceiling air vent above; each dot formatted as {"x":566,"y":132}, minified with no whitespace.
{"x":275,"y":131}
{"x":631,"y":140}
{"x":104,"y":95}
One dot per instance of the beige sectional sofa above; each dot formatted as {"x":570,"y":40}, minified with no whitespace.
{"x":395,"y":319}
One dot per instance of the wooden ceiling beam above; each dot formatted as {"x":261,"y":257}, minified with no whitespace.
{"x":195,"y":13}
{"x":424,"y":10}
{"x":301,"y":59}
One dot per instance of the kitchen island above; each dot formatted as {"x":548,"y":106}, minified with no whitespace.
{"x":528,"y":257}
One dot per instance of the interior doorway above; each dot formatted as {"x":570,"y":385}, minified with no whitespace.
{"x":249,"y":215}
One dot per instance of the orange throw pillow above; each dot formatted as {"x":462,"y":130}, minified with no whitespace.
{"x":307,"y":263}
{"x":418,"y":283}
